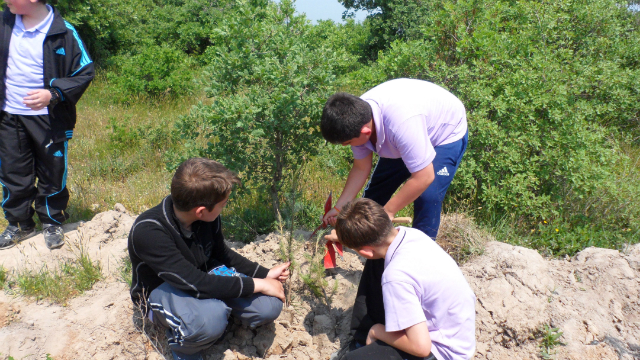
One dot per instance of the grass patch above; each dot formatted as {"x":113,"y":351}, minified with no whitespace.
{"x":70,"y":279}
{"x":3,"y":276}
{"x":550,"y":338}
{"x":461,"y":237}
{"x":125,"y":270}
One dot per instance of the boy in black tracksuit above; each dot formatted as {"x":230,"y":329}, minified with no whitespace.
{"x":38,"y":116}
{"x":184,"y":275}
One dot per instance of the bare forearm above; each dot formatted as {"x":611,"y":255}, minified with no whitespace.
{"x":355,"y":181}
{"x":414,"y":343}
{"x":411,"y":190}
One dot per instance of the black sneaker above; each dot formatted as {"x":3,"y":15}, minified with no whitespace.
{"x":53,"y":236}
{"x":13,"y":235}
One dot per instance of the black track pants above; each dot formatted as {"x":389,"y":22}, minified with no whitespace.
{"x":26,"y":154}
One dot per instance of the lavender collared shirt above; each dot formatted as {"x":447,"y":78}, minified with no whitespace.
{"x":422,"y":283}
{"x":411,"y":118}
{"x":25,"y":65}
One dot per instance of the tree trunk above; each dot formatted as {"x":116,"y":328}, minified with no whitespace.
{"x":276,"y":174}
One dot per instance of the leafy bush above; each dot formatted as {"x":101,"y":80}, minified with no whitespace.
{"x":156,"y":70}
{"x":269,"y":77}
{"x":389,"y":20}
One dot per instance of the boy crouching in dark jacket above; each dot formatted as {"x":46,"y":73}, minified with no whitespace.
{"x":185,"y":275}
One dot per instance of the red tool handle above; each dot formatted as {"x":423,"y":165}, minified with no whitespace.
{"x":330,"y":256}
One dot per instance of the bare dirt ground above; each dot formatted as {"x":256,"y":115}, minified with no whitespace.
{"x":593,"y":298}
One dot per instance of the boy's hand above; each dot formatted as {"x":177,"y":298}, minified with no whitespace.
{"x":371,"y":337}
{"x":330,"y":217}
{"x":332,"y":237}
{"x":37,"y":99}
{"x":271,"y":287}
{"x":279,"y":272}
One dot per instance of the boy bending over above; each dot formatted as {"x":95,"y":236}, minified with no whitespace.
{"x":419,"y":130}
{"x":429,"y":308}
{"x":185,"y":274}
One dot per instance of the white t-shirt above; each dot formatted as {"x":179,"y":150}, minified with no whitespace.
{"x":25,"y":65}
{"x":422,"y":283}
{"x":411,"y":118}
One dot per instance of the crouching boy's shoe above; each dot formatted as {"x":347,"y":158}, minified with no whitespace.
{"x":53,"y":236}
{"x":182,"y":356}
{"x":13,"y":235}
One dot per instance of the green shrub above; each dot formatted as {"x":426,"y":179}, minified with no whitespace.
{"x":269,"y":78}
{"x":156,"y":70}
{"x":125,"y":270}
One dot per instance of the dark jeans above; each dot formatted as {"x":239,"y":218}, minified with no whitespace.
{"x":381,"y":351}
{"x":27,"y":154}
{"x":388,"y":175}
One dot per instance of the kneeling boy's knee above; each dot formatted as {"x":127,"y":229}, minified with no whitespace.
{"x":267,"y":309}
{"x":215,"y":324}
{"x":273,"y":308}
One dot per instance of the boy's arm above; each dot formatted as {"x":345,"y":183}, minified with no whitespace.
{"x":357,"y":178}
{"x":222,"y":253}
{"x":79,"y":73}
{"x":157,"y":249}
{"x":414,"y":340}
{"x":412,"y":141}
{"x":411,"y":190}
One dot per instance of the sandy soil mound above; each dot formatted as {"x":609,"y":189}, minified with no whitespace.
{"x":592,"y":298}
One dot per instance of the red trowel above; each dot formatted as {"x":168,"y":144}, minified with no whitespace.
{"x":330,"y":256}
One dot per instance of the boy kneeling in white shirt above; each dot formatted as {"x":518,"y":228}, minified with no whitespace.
{"x":429,"y":308}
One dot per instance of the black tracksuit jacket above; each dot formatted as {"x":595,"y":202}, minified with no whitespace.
{"x":67,"y":68}
{"x":160,"y":253}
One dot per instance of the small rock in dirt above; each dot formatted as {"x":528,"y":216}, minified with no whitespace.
{"x":229,"y":355}
{"x":120,"y":208}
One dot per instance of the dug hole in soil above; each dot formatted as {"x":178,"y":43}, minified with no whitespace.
{"x":592,"y":298}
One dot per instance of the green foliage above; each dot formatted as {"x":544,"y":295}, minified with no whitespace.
{"x":389,"y":20}
{"x":269,"y":78}
{"x":125,"y":270}
{"x":115,"y":27}
{"x":58,"y":285}
{"x":315,"y":276}
{"x":3,"y":276}
{"x":548,"y":87}
{"x":150,"y":48}
{"x":156,"y":70}
{"x":550,"y":338}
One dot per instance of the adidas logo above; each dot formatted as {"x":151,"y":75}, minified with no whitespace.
{"x":58,"y":154}
{"x":60,"y":51}
{"x":443,"y":172}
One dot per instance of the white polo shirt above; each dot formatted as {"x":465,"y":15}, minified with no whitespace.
{"x":422,"y":283}
{"x":412,"y":117}
{"x":25,"y":66}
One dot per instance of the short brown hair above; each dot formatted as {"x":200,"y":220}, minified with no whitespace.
{"x":201,"y":182}
{"x":363,"y":222}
